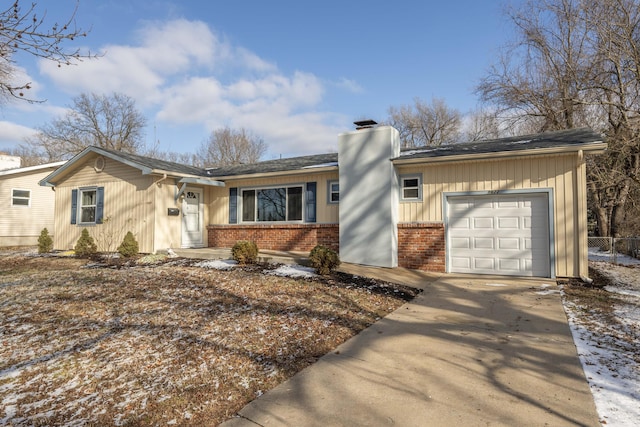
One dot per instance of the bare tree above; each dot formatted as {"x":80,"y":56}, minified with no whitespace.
{"x":570,"y":68}
{"x":24,"y":30}
{"x":228,"y":146}
{"x":111,"y":122}
{"x":481,"y":124}
{"x":424,"y":124}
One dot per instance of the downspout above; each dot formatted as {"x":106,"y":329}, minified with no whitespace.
{"x":164,"y":176}
{"x":580,"y":162}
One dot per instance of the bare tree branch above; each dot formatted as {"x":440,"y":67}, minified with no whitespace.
{"x":23,"y":30}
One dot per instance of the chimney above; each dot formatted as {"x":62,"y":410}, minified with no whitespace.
{"x":365,"y":124}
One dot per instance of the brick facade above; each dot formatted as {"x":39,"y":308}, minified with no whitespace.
{"x":421,"y":246}
{"x":281,"y":237}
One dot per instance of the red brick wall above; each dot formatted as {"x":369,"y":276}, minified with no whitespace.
{"x":280,"y":237}
{"x":421,"y":246}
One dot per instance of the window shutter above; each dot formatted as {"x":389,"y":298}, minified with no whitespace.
{"x":99,"y":204}
{"x":233,"y":205}
{"x":310,"y":211}
{"x":74,"y":205}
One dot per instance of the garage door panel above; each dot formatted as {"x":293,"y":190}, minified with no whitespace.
{"x":499,"y":234}
{"x":508,"y":243}
{"x":507,"y":203}
{"x":484,"y":263}
{"x":483,"y":204}
{"x":461,"y":263}
{"x":461,"y":223}
{"x":460,"y":243}
{"x":483,"y":222}
{"x":483,"y":243}
{"x":512,"y":223}
{"x":509,"y":265}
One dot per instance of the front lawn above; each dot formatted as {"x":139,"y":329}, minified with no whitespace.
{"x":164,"y":344}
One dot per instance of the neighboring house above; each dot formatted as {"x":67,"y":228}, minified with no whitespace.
{"x":27,"y":207}
{"x":9,"y":162}
{"x":512,"y":206}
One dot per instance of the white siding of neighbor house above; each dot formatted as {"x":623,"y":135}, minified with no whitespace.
{"x":21,"y":225}
{"x":562,"y":173}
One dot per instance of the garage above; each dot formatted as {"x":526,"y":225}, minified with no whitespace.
{"x":505,"y":234}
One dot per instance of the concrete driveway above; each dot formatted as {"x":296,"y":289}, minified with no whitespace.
{"x":468,"y":351}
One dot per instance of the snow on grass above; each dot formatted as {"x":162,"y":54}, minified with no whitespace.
{"x":217,"y":264}
{"x":597,"y":254}
{"x":294,"y":270}
{"x":608,"y":341}
{"x":152,"y":344}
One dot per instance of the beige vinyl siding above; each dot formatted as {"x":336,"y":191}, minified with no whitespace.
{"x":562,"y":173}
{"x":129,"y":201}
{"x":167,"y":228}
{"x":21,"y":225}
{"x":325,"y":213}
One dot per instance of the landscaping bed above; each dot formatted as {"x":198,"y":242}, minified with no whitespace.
{"x":168,"y":342}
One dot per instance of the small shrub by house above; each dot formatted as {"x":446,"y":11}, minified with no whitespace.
{"x":129,"y":246}
{"x":245,"y":252}
{"x":86,"y":245}
{"x":323,"y":259}
{"x":45,"y":242}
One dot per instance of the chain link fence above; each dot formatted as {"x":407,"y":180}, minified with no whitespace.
{"x":609,"y":248}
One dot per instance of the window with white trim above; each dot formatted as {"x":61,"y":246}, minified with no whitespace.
{"x":20,"y":197}
{"x":87,"y":205}
{"x":333,"y":191}
{"x":411,"y":187}
{"x":272,"y":204}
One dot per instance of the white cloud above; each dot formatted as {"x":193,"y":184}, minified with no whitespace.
{"x":350,"y":85}
{"x":184,"y":74}
{"x":12,"y":134}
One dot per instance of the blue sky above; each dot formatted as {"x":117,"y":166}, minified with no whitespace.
{"x":295,"y":73}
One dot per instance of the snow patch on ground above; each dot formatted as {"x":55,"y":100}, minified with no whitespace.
{"x":292,"y":271}
{"x":596,"y":254}
{"x":608,"y":352}
{"x":217,"y":264}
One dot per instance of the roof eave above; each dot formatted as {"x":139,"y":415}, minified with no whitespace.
{"x":275,"y":173}
{"x":590,"y":148}
{"x":172,"y":174}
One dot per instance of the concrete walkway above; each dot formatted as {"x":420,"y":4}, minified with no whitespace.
{"x":468,"y":351}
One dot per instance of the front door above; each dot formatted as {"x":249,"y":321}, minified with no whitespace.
{"x":192,"y":209}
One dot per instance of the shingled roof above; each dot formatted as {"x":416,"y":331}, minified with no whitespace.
{"x":560,"y":139}
{"x":154,"y":164}
{"x":557,"y":139}
{"x":278,"y":165}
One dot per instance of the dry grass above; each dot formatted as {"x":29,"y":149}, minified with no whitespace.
{"x":599,"y":310}
{"x":165,"y":344}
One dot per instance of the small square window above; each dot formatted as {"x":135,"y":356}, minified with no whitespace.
{"x":411,"y":187}
{"x":20,"y":197}
{"x":333,"y":192}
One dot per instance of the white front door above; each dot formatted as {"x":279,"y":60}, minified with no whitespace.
{"x":499,"y":234}
{"x":192,"y":209}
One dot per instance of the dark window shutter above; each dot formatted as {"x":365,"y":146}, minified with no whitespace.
{"x":310,"y":211}
{"x":99,"y":204}
{"x":233,"y":205}
{"x":74,"y":206}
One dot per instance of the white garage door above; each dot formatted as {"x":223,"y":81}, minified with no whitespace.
{"x":499,"y":234}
